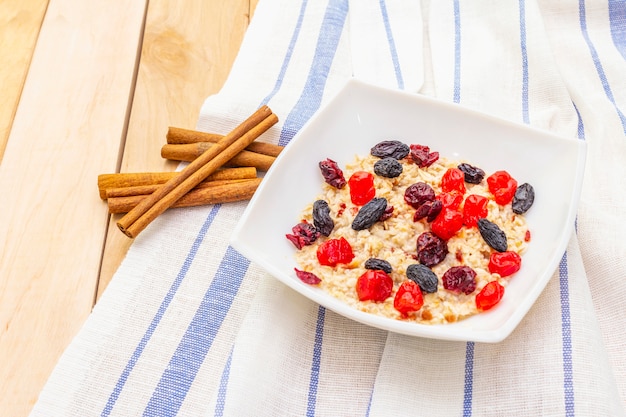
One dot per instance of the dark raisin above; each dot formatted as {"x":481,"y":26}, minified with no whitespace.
{"x":423,"y":276}
{"x":431,"y":249}
{"x":430,"y":210}
{"x":523,"y":199}
{"x":459,"y":279}
{"x":321,"y":217}
{"x":307,"y":277}
{"x":472,"y":174}
{"x":332,"y":174}
{"x":381,"y":264}
{"x":493,"y":235}
{"x":417,"y":194}
{"x":303,"y":234}
{"x":369,"y":214}
{"x":422,"y":155}
{"x":388,"y":167}
{"x":390,"y":149}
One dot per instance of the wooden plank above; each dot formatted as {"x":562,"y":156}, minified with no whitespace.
{"x":66,"y":131}
{"x":20,"y":22}
{"x":186,"y":56}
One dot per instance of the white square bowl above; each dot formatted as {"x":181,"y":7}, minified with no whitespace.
{"x":360,"y":116}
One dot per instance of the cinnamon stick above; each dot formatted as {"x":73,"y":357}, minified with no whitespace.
{"x":179,"y":136}
{"x":133,"y":222}
{"x":225,"y":193}
{"x":190,"y":151}
{"x":149,"y":189}
{"x":119,"y":180}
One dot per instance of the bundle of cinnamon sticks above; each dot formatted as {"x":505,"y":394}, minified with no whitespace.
{"x":222,"y":169}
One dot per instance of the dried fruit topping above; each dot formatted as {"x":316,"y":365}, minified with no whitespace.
{"x":369,"y":214}
{"x":504,"y":263}
{"x":492,"y":234}
{"x":447,"y":223}
{"x":361,"y":187}
{"x":422,"y":155}
{"x":473,"y":175}
{"x":451,"y":200}
{"x":408,"y":299}
{"x":475,"y":208}
{"x":334,"y":252}
{"x":332,"y":174}
{"x":453,"y":180}
{"x":390,"y":148}
{"x":489,"y":296}
{"x":423,"y":276}
{"x":502,"y":186}
{"x":387,"y":214}
{"x":429,"y":209}
{"x":388,"y":167}
{"x":303,"y":234}
{"x":374,"y":285}
{"x":321,"y":217}
{"x":417,"y":194}
{"x":431,"y":249}
{"x":307,"y":277}
{"x":375,"y":263}
{"x":523,"y":199}
{"x":459,"y":279}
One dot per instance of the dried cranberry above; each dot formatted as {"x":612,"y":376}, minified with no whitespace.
{"x":422,"y":155}
{"x":303,"y":234}
{"x":332,"y":174}
{"x":473,"y":175}
{"x":504,"y":263}
{"x":430,"y":210}
{"x":408,"y":299}
{"x":447,"y":223}
{"x":361,"y":187}
{"x":307,"y":277}
{"x":387,"y":213}
{"x":453,"y":180}
{"x":475,"y":208}
{"x":335,"y":251}
{"x":374,"y":285}
{"x":417,"y":194}
{"x":459,"y":279}
{"x":431,"y":249}
{"x":502,"y":186}
{"x":390,"y":148}
{"x":489,"y":296}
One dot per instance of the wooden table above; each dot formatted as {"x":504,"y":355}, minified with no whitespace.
{"x":88,"y":87}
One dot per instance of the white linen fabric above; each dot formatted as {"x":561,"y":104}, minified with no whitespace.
{"x":190,"y":327}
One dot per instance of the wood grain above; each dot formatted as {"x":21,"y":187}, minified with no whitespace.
{"x":20,"y":22}
{"x":67,"y":129}
{"x":186,"y":56}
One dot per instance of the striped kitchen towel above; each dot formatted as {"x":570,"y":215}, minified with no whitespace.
{"x":190,"y":327}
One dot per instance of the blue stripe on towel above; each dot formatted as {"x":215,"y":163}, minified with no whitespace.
{"x":617,"y":21}
{"x":392,"y":44}
{"x":181,"y":371}
{"x":220,"y":403}
{"x":317,"y":360}
{"x":597,"y":63}
{"x":469,"y":379}
{"x":311,"y":97}
{"x":566,"y":335}
{"x":160,"y":312}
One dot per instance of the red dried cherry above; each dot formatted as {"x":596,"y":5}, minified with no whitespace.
{"x":453,"y":180}
{"x":447,"y":223}
{"x":489,"y":296}
{"x":451,"y":200}
{"x":504,"y":263}
{"x":408,"y":298}
{"x":374,"y":285}
{"x":475,"y":208}
{"x":361,"y":187}
{"x":502,"y":186}
{"x":335,"y":251}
